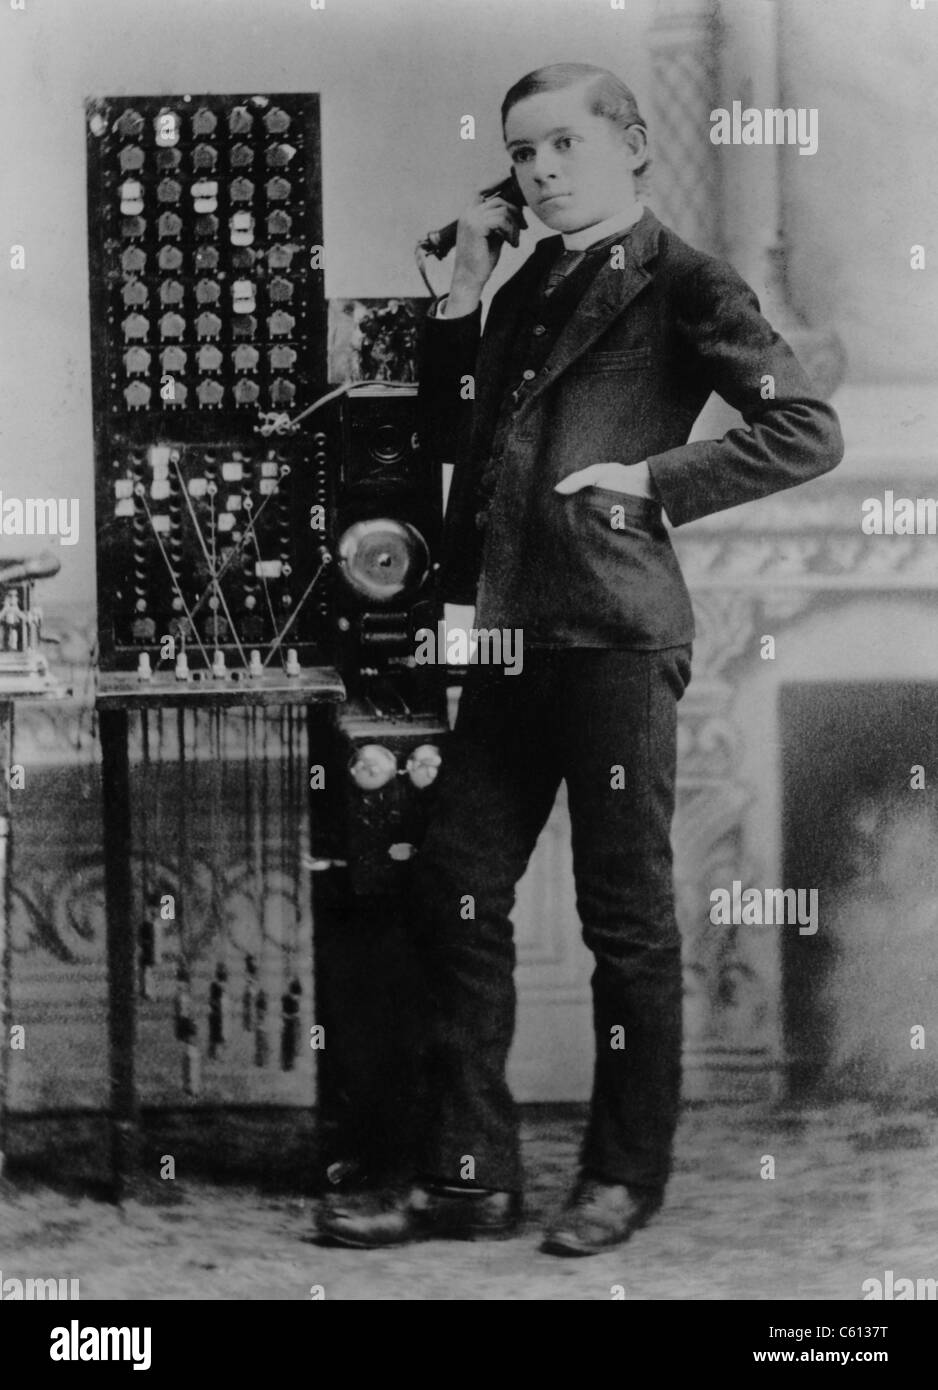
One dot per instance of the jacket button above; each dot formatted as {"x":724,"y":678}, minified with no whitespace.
{"x":481,"y":519}
{"x":539,"y":330}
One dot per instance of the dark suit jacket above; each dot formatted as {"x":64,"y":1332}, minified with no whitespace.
{"x":625,"y":381}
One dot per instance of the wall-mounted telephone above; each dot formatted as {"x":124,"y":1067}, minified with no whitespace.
{"x":440,"y":243}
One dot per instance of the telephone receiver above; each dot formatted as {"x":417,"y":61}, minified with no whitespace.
{"x":441,"y":242}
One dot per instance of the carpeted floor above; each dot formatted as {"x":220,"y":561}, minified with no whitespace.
{"x":854,"y":1194}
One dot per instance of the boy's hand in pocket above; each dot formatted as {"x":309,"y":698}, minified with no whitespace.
{"x":633,"y":478}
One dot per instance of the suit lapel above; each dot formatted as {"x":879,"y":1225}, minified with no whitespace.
{"x":610,"y":292}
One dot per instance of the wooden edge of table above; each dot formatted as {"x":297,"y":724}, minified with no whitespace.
{"x":126,"y":690}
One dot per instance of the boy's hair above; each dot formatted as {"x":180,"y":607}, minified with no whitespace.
{"x":606,"y":95}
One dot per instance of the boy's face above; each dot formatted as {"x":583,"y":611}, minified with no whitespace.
{"x":575,"y":169}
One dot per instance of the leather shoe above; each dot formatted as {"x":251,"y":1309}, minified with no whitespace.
{"x":384,"y":1217}
{"x":599,"y":1216}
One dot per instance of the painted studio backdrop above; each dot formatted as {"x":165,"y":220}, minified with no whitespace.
{"x":788,"y":772}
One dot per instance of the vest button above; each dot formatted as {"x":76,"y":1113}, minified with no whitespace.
{"x":529,"y":375}
{"x":539,"y":330}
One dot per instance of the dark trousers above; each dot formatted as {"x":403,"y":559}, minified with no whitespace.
{"x":605,"y":722}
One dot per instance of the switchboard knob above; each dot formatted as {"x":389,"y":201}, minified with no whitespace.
{"x":170,"y":258}
{"x":280,"y":324}
{"x":280,"y":290}
{"x":205,"y":195}
{"x":245,"y":358}
{"x":135,"y":293}
{"x":131,"y":196}
{"x":169,"y":225}
{"x":208,"y":326}
{"x":166,"y":126}
{"x":171,"y":292}
{"x":246,"y":393}
{"x":279,"y":156}
{"x":241,"y":224}
{"x":277,"y":121}
{"x":206,"y":225}
{"x":173,"y":359}
{"x":279,"y":223}
{"x":136,"y":361}
{"x":204,"y":157}
{"x":172,"y":326}
{"x":243,"y":297}
{"x":204,"y":121}
{"x":210,"y":358}
{"x":210,"y":393}
{"x":282,"y":392}
{"x":207,"y":291}
{"x":241,"y":190}
{"x":135,"y":326}
{"x":168,"y":191}
{"x":131,"y":158}
{"x":282,"y":358}
{"x":136,"y":395}
{"x":278,"y":189}
{"x":240,"y":120}
{"x":129,"y":122}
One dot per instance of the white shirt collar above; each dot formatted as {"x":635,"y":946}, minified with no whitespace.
{"x":618,"y":222}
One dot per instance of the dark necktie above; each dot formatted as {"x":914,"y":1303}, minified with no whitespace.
{"x":562,"y":268}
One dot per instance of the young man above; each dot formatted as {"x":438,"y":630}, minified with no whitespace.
{"x":596,"y":359}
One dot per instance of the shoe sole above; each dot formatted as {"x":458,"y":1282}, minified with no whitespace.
{"x":349,"y":1242}
{"x":331,"y":1238}
{"x":556,"y":1245}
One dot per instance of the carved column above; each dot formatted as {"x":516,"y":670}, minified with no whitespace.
{"x":730,"y":1014}
{"x":729,"y":201}
{"x":754,"y":185}
{"x":6,"y":955}
{"x":683,"y":44}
